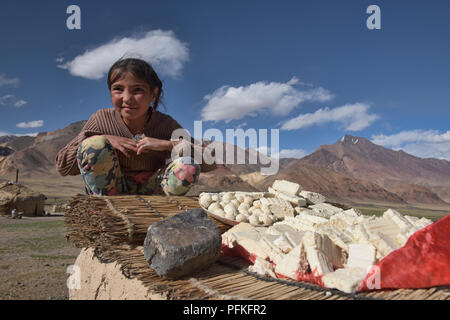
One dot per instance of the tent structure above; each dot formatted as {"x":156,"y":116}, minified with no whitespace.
{"x":17,"y":196}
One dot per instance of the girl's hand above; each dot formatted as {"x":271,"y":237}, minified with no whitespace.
{"x":147,"y":143}
{"x":122,"y":144}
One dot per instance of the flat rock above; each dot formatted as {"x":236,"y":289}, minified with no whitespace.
{"x":182,"y":244}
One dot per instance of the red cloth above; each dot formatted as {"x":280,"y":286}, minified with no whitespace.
{"x":423,"y":262}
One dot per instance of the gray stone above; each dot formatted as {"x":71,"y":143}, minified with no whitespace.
{"x":182,"y":244}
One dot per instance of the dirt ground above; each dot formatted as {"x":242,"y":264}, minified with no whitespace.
{"x":34,"y":257}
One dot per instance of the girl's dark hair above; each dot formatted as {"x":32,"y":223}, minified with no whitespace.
{"x":140,"y":69}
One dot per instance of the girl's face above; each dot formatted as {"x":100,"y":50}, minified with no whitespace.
{"x":131,"y":97}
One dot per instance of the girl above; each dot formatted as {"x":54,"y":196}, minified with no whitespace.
{"x":127,"y":149}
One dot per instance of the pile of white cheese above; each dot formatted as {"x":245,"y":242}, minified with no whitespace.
{"x":311,"y":237}
{"x":257,"y":208}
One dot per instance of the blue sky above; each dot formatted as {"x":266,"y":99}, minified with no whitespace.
{"x":309,"y":68}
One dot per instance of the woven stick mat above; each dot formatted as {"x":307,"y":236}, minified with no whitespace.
{"x":116,"y":228}
{"x":228,"y":278}
{"x":94,"y":221}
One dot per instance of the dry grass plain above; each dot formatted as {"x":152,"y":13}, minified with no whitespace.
{"x":34,"y":254}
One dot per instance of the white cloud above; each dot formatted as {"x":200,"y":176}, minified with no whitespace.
{"x":5,"y":81}
{"x":284,"y":153}
{"x":421,"y":143}
{"x":32,"y":134}
{"x":5,"y":99}
{"x":59,"y":59}
{"x":162,"y":49}
{"x":241,"y":125}
{"x":403,"y":137}
{"x":353,"y":117}
{"x":10,"y":99}
{"x":31,"y":124}
{"x":231,"y":103}
{"x":20,"y":103}
{"x":292,"y":153}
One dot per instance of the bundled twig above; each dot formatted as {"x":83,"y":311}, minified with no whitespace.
{"x":94,"y":221}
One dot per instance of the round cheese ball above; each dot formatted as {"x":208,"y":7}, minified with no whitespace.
{"x":235,"y":202}
{"x":265,"y":209}
{"x":205,"y":200}
{"x":265,"y":219}
{"x":254,"y":221}
{"x":257,"y":204}
{"x":244,"y":211}
{"x":219,"y":212}
{"x":230,"y":215}
{"x":230,"y":209}
{"x":257,"y":212}
{"x":244,"y":206}
{"x":214,"y":206}
{"x":248,"y":199}
{"x":228,"y":196}
{"x":223,"y":203}
{"x":240,"y":198}
{"x":241,"y":218}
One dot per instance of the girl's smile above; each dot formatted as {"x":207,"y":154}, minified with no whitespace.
{"x":132,"y":96}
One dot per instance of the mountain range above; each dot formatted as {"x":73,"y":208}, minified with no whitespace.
{"x":353,"y":169}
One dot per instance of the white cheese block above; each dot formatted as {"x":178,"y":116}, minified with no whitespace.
{"x":411,"y":219}
{"x":263,"y":268}
{"x":293,"y":263}
{"x":273,"y":251}
{"x":325,"y":210}
{"x":300,"y":225}
{"x":283,"y":244}
{"x":312,"y":197}
{"x":281,"y":211}
{"x":338,"y":237}
{"x":305,"y":215}
{"x":383,"y":243}
{"x":353,"y":212}
{"x":283,"y":229}
{"x":360,"y":234}
{"x":293,"y":199}
{"x":382,"y":225}
{"x":246,"y":236}
{"x":346,"y":279}
{"x":229,"y":237}
{"x":398,"y":219}
{"x":422,"y":223}
{"x":301,"y":209}
{"x":401,"y":239}
{"x":361,"y":255}
{"x":295,"y":238}
{"x":318,"y":262}
{"x":286,"y":186}
{"x":321,"y":253}
{"x":338,"y":222}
